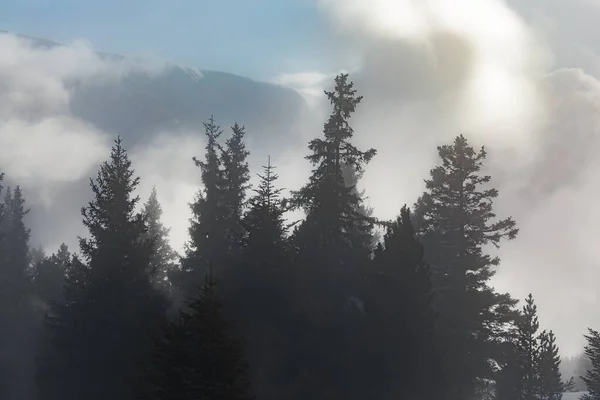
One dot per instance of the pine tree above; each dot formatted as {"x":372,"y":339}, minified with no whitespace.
{"x":196,"y":357}
{"x":265,"y":223}
{"x":401,"y":317}
{"x":208,"y":239}
{"x":592,"y":377}
{"x":456,"y":221}
{"x":15,"y":243}
{"x":331,"y":251}
{"x":236,"y":175}
{"x":551,"y":385}
{"x":528,"y":351}
{"x":164,"y":258}
{"x":331,"y":206}
{"x":109,"y":301}
{"x":16,"y":294}
{"x":258,"y":289}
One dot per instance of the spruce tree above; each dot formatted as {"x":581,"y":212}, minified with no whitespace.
{"x":401,"y":318}
{"x":109,"y":300}
{"x":17,"y":338}
{"x":164,"y":258}
{"x":236,"y":175}
{"x":258,"y":289}
{"x":208,"y":238}
{"x":196,"y":357}
{"x":455,"y":219}
{"x":592,"y":376}
{"x":528,"y":351}
{"x":265,"y":224}
{"x":551,"y":385}
{"x":331,"y":250}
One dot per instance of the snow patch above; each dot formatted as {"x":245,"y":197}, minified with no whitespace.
{"x":193,"y":73}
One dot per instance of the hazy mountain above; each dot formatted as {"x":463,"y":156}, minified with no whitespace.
{"x":181,"y":98}
{"x":148,"y":99}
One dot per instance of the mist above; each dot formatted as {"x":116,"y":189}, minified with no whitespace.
{"x":519,"y":79}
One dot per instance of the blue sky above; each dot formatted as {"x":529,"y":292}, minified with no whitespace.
{"x":255,"y":38}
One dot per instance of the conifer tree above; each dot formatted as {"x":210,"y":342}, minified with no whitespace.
{"x":208,"y":239}
{"x":551,"y":385}
{"x":196,"y":357}
{"x":258,"y":290}
{"x":455,"y":219}
{"x":236,"y":175}
{"x":163,"y":259}
{"x":528,"y":350}
{"x":109,"y":300}
{"x":265,"y":223}
{"x":16,"y":294}
{"x":331,"y":250}
{"x":592,"y":376}
{"x":331,"y":207}
{"x":401,"y":317}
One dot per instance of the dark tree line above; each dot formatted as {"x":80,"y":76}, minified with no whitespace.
{"x":258,"y":307}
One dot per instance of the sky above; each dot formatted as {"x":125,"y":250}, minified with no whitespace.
{"x":521,"y":77}
{"x":254,"y":38}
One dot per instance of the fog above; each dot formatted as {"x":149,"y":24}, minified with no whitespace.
{"x":521,"y":80}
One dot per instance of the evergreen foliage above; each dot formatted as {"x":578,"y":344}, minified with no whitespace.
{"x":164,"y":258}
{"x":109,"y":301}
{"x":456,"y":220}
{"x":400,"y":316}
{"x":196,"y":357}
{"x":592,"y":377}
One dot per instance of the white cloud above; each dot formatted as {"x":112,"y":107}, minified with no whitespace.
{"x":432,"y":69}
{"x":166,"y":162}
{"x":43,"y":146}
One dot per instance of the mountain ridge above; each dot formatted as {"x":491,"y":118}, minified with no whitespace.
{"x":180,"y":98}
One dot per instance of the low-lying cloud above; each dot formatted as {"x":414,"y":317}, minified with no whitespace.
{"x":501,"y":74}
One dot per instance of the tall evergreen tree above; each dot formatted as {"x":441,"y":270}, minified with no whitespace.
{"x":208,"y":238}
{"x":236,"y":175}
{"x":196,"y":357}
{"x":592,"y":376}
{"x":16,"y":294}
{"x":331,"y":206}
{"x":164,"y":258}
{"x":552,"y":386}
{"x":456,"y":220}
{"x":265,"y":224}
{"x":331,"y":250}
{"x":528,"y":351}
{"x":258,"y":289}
{"x":401,"y":318}
{"x":109,"y":300}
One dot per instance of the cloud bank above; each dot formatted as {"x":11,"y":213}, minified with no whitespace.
{"x":502,"y":74}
